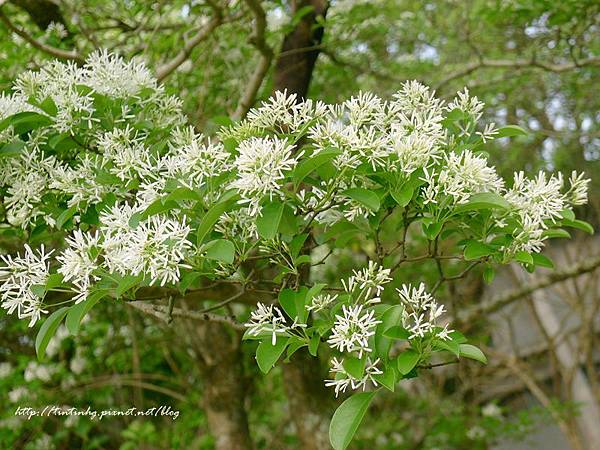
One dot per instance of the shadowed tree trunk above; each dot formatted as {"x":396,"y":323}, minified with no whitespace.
{"x":223,"y":389}
{"x":310,"y":402}
{"x":42,"y":12}
{"x":300,"y":49}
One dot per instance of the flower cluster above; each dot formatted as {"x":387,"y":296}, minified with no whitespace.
{"x":260,"y":168}
{"x":352,"y":330}
{"x":421,"y":313}
{"x":20,"y":276}
{"x":343,"y":379}
{"x":269,"y":319}
{"x":368,"y":283}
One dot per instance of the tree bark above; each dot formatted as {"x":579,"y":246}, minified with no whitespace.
{"x":300,"y":49}
{"x":42,"y":12}
{"x":223,"y":389}
{"x":309,"y":401}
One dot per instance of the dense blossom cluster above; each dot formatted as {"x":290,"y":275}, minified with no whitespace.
{"x":421,"y":312}
{"x":101,"y":147}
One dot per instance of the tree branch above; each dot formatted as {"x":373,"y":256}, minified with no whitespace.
{"x":162,"y":313}
{"x":531,"y":63}
{"x":500,"y":302}
{"x":169,"y":67}
{"x":266,"y":56}
{"x":53,"y":51}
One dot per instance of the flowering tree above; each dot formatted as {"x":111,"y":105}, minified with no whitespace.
{"x":118,"y":199}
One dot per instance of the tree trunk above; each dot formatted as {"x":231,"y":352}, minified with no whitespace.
{"x":309,"y":401}
{"x":42,"y":12}
{"x":300,"y":49}
{"x":223,"y":389}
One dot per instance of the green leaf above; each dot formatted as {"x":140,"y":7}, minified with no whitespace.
{"x":404,"y":194}
{"x":483,"y":200}
{"x":267,"y":354}
{"x":14,"y":148}
{"x":39,"y":290}
{"x":355,"y":366}
{"x":524,"y":257}
{"x":268,"y":223}
{"x":213,"y":214}
{"x":47,"y":330}
{"x":221,"y":250}
{"x":472,"y":352}
{"x":579,"y":224}
{"x":451,"y":346}
{"x":407,"y":361}
{"x":391,"y":317}
{"x":313,"y":345}
{"x":489,"y":274}
{"x":347,"y":418}
{"x":287,"y":300}
{"x":126,"y":283}
{"x":365,"y":197}
{"x":476,"y":250}
{"x":77,"y":312}
{"x":387,"y":378}
{"x":53,"y":281}
{"x":567,"y":214}
{"x":542,"y":261}
{"x":510,"y":131}
{"x":556,"y":233}
{"x":312,"y":163}
{"x":396,"y":332}
{"x":65,"y":216}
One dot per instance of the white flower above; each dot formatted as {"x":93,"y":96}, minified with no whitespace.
{"x":78,"y":263}
{"x":125,"y":148}
{"x":5,"y":369}
{"x":260,"y":168}
{"x":18,"y":277}
{"x":266,"y":318}
{"x":155,"y":248}
{"x":352,"y":330}
{"x":491,"y":410}
{"x":466,"y":174}
{"x":320,"y":302}
{"x":343,"y":379}
{"x":194,"y":160}
{"x":17,"y":394}
{"x":370,"y":281}
{"x":109,"y":74}
{"x":421,"y":312}
{"x":36,"y":371}
{"x":58,"y":29}
{"x":577,"y":194}
{"x":467,"y":104}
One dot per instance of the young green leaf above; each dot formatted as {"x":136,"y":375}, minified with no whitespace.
{"x":510,"y":131}
{"x":268,"y":223}
{"x":221,"y":250}
{"x":407,"y":361}
{"x":47,"y":330}
{"x":483,"y":200}
{"x":364,"y":197}
{"x":77,"y":312}
{"x":267,"y":354}
{"x":347,"y":419}
{"x":476,"y":250}
{"x":472,"y":352}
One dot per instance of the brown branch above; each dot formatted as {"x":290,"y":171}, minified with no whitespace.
{"x":169,"y":67}
{"x":532,"y":63}
{"x":53,"y":51}
{"x":266,"y":56}
{"x":500,"y":302}
{"x":162,"y":313}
